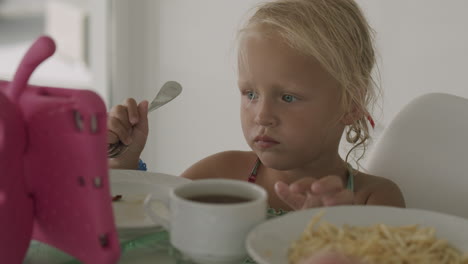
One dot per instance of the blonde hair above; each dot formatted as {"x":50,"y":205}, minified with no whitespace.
{"x":337,"y":35}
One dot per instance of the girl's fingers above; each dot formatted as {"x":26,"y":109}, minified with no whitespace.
{"x":344,"y":197}
{"x":132,"y":109}
{"x":120,"y":112}
{"x":294,"y":200}
{"x":117,"y":129}
{"x":124,"y":120}
{"x":302,"y":185}
{"x":327,"y":185}
{"x":143,"y":116}
{"x":112,"y":137}
{"x":311,"y":201}
{"x":297,"y":200}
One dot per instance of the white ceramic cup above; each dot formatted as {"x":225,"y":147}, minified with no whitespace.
{"x":210,"y":233}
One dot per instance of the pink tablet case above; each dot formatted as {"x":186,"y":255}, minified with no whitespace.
{"x":54,"y":184}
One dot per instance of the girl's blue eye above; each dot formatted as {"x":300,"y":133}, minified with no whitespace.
{"x":251,"y":95}
{"x":289,"y":98}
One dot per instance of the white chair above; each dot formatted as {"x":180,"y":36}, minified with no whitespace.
{"x":425,"y":151}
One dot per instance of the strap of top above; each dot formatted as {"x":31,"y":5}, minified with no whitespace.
{"x":253,"y":173}
{"x":349,"y":185}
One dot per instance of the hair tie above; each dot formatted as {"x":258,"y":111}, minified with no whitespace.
{"x":371,"y":121}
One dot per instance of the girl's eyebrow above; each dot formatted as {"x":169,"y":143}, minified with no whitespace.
{"x":292,"y":86}
{"x":243,"y":84}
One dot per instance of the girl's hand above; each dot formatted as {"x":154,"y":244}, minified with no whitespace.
{"x":310,"y":192}
{"x":128,"y":123}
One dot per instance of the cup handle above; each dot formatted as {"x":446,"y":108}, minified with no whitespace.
{"x":155,"y":217}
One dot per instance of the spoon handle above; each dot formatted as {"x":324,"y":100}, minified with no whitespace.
{"x":115,"y":149}
{"x":153,"y":106}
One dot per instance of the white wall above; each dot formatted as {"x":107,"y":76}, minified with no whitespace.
{"x":196,"y":47}
{"x":21,"y":23}
{"x":424,"y":49}
{"x":422,"y":43}
{"x":9,"y":8}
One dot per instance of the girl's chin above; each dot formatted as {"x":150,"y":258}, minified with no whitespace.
{"x":274,"y":161}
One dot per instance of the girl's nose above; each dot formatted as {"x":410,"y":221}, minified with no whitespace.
{"x":265,"y":115}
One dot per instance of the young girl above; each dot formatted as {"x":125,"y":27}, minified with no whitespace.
{"x":305,"y":79}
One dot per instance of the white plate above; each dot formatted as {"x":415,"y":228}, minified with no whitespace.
{"x":268,"y":243}
{"x":134,"y":186}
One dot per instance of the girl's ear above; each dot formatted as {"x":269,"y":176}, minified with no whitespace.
{"x":351,"y":116}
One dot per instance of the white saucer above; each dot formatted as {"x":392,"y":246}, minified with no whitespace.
{"x":134,"y":186}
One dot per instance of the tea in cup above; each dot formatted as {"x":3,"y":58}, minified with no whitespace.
{"x":209,"y":219}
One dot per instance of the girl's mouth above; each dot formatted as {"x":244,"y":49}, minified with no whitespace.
{"x":265,"y":142}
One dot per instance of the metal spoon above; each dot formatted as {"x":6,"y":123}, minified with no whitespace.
{"x":167,"y":93}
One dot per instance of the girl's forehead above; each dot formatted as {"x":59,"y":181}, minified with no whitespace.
{"x":259,"y":49}
{"x":271,"y":61}
{"x":270,"y":44}
{"x":260,"y":36}
{"x":275,"y":53}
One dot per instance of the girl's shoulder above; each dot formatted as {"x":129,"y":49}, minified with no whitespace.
{"x":365,"y":180}
{"x":226,"y":164}
{"x":372,"y":189}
